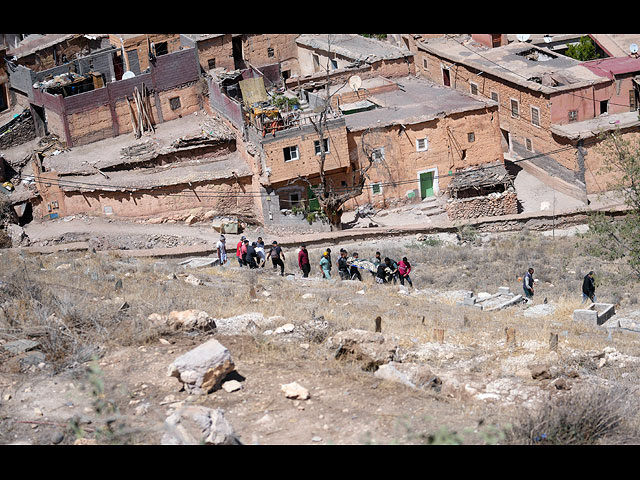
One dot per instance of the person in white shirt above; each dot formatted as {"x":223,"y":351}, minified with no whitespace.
{"x":260,"y":251}
{"x":221,"y":247}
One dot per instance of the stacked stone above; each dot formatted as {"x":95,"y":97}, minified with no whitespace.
{"x":491,"y":205}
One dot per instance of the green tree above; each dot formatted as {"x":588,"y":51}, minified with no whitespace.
{"x":583,"y":51}
{"x":618,"y":239}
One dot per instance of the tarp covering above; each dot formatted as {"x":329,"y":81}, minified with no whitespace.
{"x":253,"y":91}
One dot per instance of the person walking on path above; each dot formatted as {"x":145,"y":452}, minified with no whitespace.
{"x":221,"y":248}
{"x":392,"y":269}
{"x":239,"y":250}
{"x":303,"y":261}
{"x":325,"y":265}
{"x":527,"y":285}
{"x":251,"y":255}
{"x":404,"y":268}
{"x":343,"y":266}
{"x":381,"y":273}
{"x":589,"y":288}
{"x":277,"y":257}
{"x":377,"y":260}
{"x":260,"y":251}
{"x":354,"y":271}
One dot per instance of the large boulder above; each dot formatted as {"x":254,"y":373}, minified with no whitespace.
{"x":370,"y":349}
{"x":198,"y":425}
{"x":202,"y":369}
{"x":190,"y":320}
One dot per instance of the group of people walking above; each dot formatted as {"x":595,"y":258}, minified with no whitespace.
{"x":255,"y":255}
{"x":252,"y":254}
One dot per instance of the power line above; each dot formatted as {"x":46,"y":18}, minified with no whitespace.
{"x":50,"y":181}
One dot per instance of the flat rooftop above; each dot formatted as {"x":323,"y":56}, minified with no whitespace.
{"x":353,"y":46}
{"x":415,"y":101}
{"x":149,"y":178}
{"x":108,"y":152}
{"x":595,"y":126}
{"x":519,"y":62}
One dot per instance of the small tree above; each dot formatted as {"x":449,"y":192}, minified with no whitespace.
{"x":583,"y":51}
{"x":619,"y":240}
{"x":330,"y":198}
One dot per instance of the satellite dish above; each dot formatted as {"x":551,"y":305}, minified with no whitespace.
{"x":128,"y":74}
{"x":523,"y":37}
{"x":633,"y":48}
{"x":547,"y":39}
{"x":355,"y":82}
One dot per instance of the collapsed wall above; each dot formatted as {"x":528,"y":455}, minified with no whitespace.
{"x":18,"y":130}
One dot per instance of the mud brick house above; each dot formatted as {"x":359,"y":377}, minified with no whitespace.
{"x":214,"y":50}
{"x":340,"y":56}
{"x":419,"y":135}
{"x":537,"y":91}
{"x":199,"y":175}
{"x":99,"y":108}
{"x":140,"y":48}
{"x":42,"y":52}
{"x":268,"y":49}
{"x":614,"y":44}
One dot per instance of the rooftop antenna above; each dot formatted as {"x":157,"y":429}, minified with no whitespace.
{"x":523,"y":37}
{"x":547,"y":39}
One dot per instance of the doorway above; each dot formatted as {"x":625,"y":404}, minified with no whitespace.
{"x":427,"y":183}
{"x":39,"y":120}
{"x":446,"y":77}
{"x":236,"y":47}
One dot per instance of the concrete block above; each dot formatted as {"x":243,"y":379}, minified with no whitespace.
{"x":586,"y":315}
{"x":504,"y":291}
{"x":596,"y":313}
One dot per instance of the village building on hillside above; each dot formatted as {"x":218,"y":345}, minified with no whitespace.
{"x":419,"y":135}
{"x":536,"y":89}
{"x":81,"y":101}
{"x":198,"y":176}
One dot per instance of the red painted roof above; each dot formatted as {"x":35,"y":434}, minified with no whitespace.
{"x":609,"y":67}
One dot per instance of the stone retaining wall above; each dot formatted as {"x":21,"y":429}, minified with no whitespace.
{"x":494,"y":204}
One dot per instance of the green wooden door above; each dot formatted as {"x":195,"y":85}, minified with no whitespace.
{"x":314,"y":205}
{"x":426,"y":185}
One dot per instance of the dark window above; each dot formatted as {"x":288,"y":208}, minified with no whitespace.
{"x":494,"y":97}
{"x":604,"y":106}
{"x":474,"y":89}
{"x":529,"y":145}
{"x":174,"y":103}
{"x":161,"y":48}
{"x":290,"y":153}
{"x":471,"y":137}
{"x":269,"y":52}
{"x":211,"y":63}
